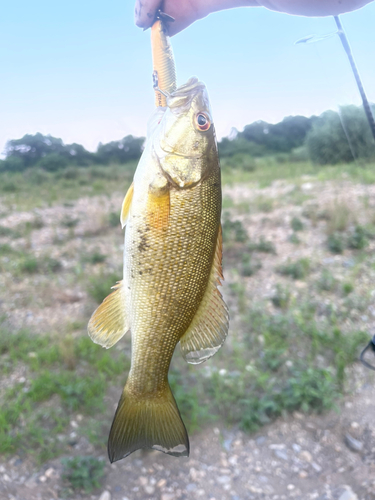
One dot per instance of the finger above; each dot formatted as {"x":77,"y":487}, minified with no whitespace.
{"x":145,"y":12}
{"x":183,"y":12}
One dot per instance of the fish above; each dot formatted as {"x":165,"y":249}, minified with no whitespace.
{"x":172,"y":264}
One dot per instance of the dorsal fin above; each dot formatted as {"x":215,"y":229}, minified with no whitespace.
{"x":126,"y":206}
{"x":109,"y":322}
{"x":209,"y":328}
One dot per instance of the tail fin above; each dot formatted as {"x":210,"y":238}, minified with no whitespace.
{"x":147,"y":423}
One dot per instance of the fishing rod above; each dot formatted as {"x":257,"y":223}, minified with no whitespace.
{"x":345,"y":44}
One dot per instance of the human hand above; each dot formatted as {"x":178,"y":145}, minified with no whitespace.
{"x":185,"y":12}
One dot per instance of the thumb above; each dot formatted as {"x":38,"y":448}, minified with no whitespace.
{"x":145,"y":12}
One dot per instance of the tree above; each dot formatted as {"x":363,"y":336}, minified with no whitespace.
{"x":128,"y":148}
{"x":336,"y":138}
{"x":31,"y":148}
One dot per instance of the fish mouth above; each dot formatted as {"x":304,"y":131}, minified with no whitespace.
{"x":181,"y":98}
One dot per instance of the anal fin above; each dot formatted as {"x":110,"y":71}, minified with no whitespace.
{"x":209,"y":328}
{"x":109,"y":322}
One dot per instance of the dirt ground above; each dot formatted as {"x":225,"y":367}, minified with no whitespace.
{"x":330,"y":456}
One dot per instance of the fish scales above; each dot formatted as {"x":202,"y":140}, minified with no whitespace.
{"x":170,"y":275}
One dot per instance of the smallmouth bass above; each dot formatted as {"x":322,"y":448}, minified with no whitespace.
{"x":172,"y":269}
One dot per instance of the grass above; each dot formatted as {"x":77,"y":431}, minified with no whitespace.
{"x":357,"y":238}
{"x":35,"y":411}
{"x":268,"y":170}
{"x":289,"y":351}
{"x":83,"y":472}
{"x":271,"y":369}
{"x":23,"y":263}
{"x":297,"y":270}
{"x":37,"y":188}
{"x":296,"y":224}
{"x":100,"y":285}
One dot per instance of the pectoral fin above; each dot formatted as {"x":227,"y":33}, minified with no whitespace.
{"x":158,"y":203}
{"x":126,"y":206}
{"x":209,"y":328}
{"x":109,"y":322}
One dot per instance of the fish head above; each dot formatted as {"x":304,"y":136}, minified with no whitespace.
{"x":185,"y":143}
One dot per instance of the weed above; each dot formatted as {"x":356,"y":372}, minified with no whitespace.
{"x":29,"y":264}
{"x":248,"y":267}
{"x":281,"y":297}
{"x":326,"y":281}
{"x":51,"y":265}
{"x":94,"y":258}
{"x":263,"y":204}
{"x":335,"y":243}
{"x":339,"y":216}
{"x":296,"y":224}
{"x":233,"y":231}
{"x":262,"y":246}
{"x":347,"y":288}
{"x":297,"y":270}
{"x":293,"y":238}
{"x":113,"y":219}
{"x":100,"y":285}
{"x":357,"y":239}
{"x":83,"y":472}
{"x":7,"y":231}
{"x":69,"y":222}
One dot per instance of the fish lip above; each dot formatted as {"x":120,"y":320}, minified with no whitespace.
{"x":187,"y":157}
{"x":171,"y":151}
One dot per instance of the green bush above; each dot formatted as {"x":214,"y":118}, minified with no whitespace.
{"x":53,"y":162}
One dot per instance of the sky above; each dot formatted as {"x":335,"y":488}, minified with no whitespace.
{"x":82,"y":71}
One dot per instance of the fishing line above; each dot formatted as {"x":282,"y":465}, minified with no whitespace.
{"x":345,"y":43}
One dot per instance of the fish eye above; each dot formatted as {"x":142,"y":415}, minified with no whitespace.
{"x":202,"y":121}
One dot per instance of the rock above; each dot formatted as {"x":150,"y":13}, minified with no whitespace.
{"x":280,"y":454}
{"x":167,"y":496}
{"x":161,"y":483}
{"x":223,"y":479}
{"x":305,"y":456}
{"x":260,"y":440}
{"x":149,"y":489}
{"x":31,"y":482}
{"x":348,"y":494}
{"x":353,"y":444}
{"x":316,"y":466}
{"x":6,"y":478}
{"x":290,"y":487}
{"x":105,"y":495}
{"x":50,"y":472}
{"x":143,"y":480}
{"x":296,"y":447}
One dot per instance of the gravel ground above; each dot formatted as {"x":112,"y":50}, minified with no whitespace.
{"x":331,"y":456}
